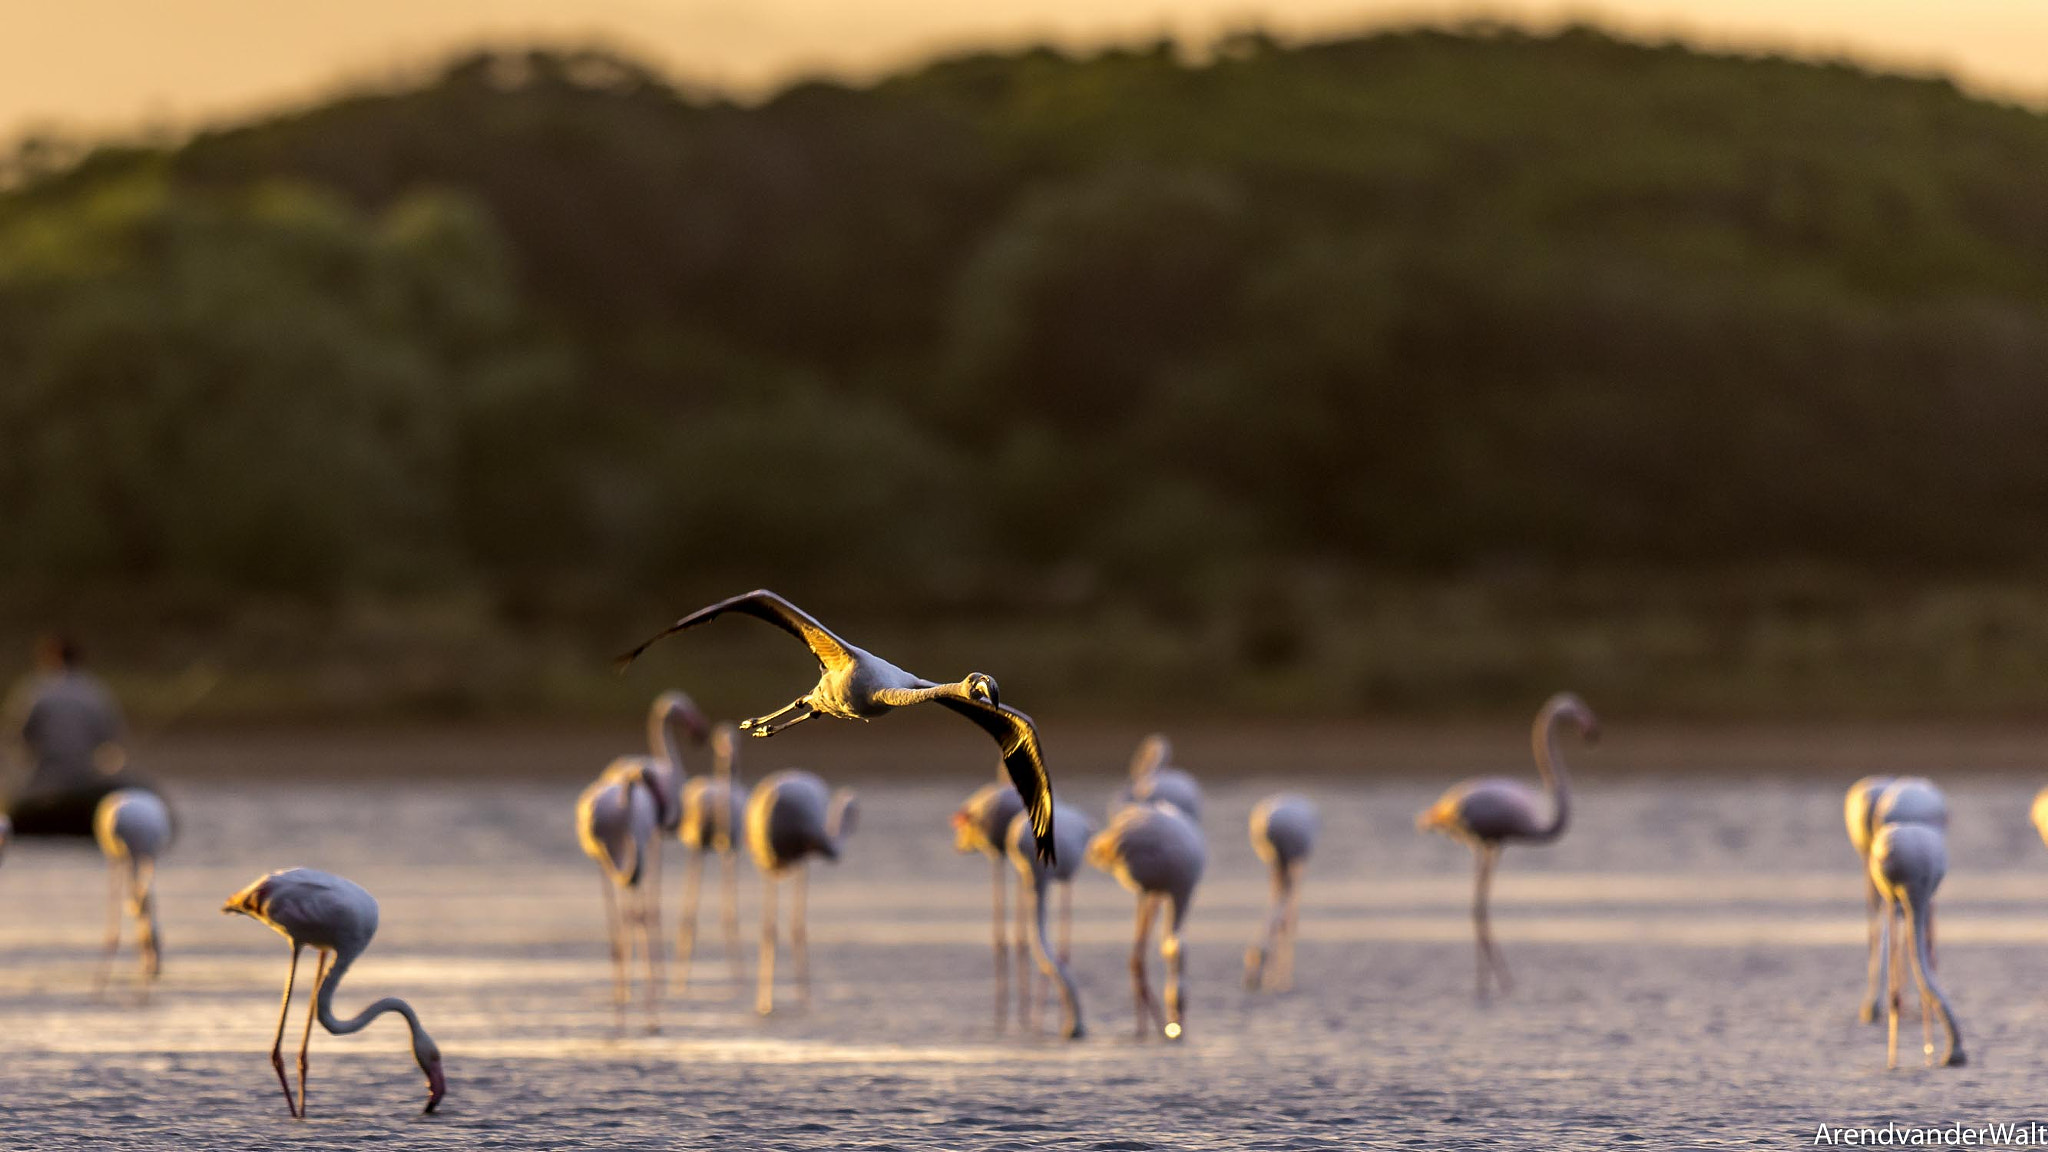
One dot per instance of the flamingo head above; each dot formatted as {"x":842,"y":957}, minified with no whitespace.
{"x":679,"y":707}
{"x":982,"y":687}
{"x":429,"y":1055}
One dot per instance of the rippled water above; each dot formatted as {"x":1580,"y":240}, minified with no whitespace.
{"x":1688,"y":961}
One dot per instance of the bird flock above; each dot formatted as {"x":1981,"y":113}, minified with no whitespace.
{"x":1151,"y":841}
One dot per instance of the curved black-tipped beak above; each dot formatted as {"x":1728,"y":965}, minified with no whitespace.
{"x":437,"y":1087}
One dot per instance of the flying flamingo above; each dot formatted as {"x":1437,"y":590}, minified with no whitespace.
{"x":337,"y":918}
{"x":1074,"y":830}
{"x":1283,"y":830}
{"x":1907,"y":863}
{"x":1487,"y":812}
{"x":1871,"y":803}
{"x":980,"y":825}
{"x":1153,"y":777}
{"x":857,"y":685}
{"x":714,"y":811}
{"x":1156,"y":851}
{"x":618,"y":822}
{"x":133,"y":827}
{"x":792,"y":816}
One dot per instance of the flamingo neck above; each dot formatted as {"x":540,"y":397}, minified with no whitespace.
{"x":324,"y":1004}
{"x":661,"y":739}
{"x":1556,"y":781}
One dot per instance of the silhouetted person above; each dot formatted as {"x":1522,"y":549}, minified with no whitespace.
{"x":72,"y":734}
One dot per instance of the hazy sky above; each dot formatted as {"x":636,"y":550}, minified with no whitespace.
{"x":115,"y":64}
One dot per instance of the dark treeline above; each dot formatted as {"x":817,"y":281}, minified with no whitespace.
{"x":1418,"y":301}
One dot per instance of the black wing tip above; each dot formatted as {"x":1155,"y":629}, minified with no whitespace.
{"x":1047,"y":854}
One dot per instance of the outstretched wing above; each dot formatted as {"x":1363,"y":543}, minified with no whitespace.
{"x":1021,"y":757}
{"x":761,"y":604}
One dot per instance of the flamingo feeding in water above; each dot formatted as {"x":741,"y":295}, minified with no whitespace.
{"x":618,"y":822}
{"x":1074,"y":831}
{"x":714,"y":813}
{"x":1487,"y":813}
{"x":981,"y":824}
{"x":1155,"y":851}
{"x":1283,"y":831}
{"x":133,"y":828}
{"x":1907,"y":863}
{"x":791,"y":817}
{"x":337,"y":918}
{"x":1871,"y":803}
{"x":1153,"y":777}
{"x":857,"y":685}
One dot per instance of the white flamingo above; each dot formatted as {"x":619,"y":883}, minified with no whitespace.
{"x":1157,"y":852}
{"x":1153,"y":777}
{"x":981,"y":824}
{"x":1488,"y":812}
{"x":618,"y":823}
{"x":337,"y":918}
{"x":858,"y":685}
{"x":133,"y":828}
{"x":1871,"y":803}
{"x":714,"y":815}
{"x":791,"y":817}
{"x":1074,"y":829}
{"x":1283,"y":831}
{"x":1907,"y":863}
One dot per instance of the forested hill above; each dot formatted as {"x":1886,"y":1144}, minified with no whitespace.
{"x":1412,"y":301}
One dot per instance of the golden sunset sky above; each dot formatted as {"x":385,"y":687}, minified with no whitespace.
{"x":116,"y":65}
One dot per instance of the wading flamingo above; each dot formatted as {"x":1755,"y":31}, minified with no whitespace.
{"x":1074,"y":830}
{"x":1155,"y":851}
{"x":1488,"y":812}
{"x":714,"y":823}
{"x":133,"y":827}
{"x":618,"y":823}
{"x":982,"y":824}
{"x":791,"y":817}
{"x":857,"y":685}
{"x":1283,"y":830}
{"x":1907,"y":863}
{"x":1153,"y":777}
{"x":337,"y":918}
{"x":1870,"y":803}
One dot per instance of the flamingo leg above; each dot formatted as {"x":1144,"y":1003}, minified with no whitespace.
{"x":764,"y":991}
{"x":1877,"y":917}
{"x":1145,"y":1008}
{"x":651,"y":936}
{"x":145,"y":924}
{"x":615,"y":933}
{"x":1002,"y":951}
{"x":1174,"y":961}
{"x":277,"y":1043}
{"x":648,"y":897}
{"x":686,"y":920}
{"x":799,"y":935}
{"x":797,"y":711}
{"x":115,"y":898}
{"x":729,"y":872}
{"x":306,"y":1037}
{"x":1489,"y":956}
{"x":1894,"y":983}
{"x":1027,"y":972}
{"x":1287,"y":933}
{"x":1255,"y":954}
